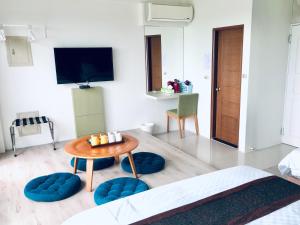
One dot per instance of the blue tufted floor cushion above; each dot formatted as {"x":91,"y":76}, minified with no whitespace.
{"x":53,"y":187}
{"x":118,"y":188}
{"x":99,"y":164}
{"x":145,"y":163}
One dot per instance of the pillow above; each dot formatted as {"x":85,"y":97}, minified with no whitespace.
{"x":290,"y":165}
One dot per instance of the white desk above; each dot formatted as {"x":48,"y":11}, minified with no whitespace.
{"x":157,"y":95}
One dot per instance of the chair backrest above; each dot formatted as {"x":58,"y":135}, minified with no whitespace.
{"x":188,"y":104}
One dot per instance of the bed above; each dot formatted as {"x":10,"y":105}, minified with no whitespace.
{"x":165,"y":198}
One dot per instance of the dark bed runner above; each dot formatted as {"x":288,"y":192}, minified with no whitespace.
{"x":239,"y":205}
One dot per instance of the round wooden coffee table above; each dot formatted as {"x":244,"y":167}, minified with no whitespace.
{"x":80,"y":148}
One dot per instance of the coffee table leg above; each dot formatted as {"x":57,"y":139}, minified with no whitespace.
{"x":89,"y":174}
{"x":117,"y":159}
{"x":132,"y":164}
{"x":75,"y":165}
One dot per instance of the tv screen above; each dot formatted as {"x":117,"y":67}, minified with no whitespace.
{"x":78,"y":65}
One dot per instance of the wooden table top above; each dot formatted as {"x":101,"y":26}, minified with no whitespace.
{"x":80,"y":148}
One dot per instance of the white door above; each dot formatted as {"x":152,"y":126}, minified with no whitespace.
{"x":291,"y":132}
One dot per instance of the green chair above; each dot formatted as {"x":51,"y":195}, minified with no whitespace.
{"x":187,"y":108}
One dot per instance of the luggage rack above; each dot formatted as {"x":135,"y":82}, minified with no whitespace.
{"x":30,"y":121}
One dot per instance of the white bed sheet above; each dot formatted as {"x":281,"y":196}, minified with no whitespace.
{"x":157,"y":200}
{"x":290,"y":165}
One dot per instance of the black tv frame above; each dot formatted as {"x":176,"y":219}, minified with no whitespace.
{"x":83,"y":81}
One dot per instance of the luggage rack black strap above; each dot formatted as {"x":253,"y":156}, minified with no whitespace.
{"x":30,"y":121}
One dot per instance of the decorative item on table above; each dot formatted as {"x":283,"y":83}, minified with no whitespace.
{"x":105,"y":139}
{"x":176,"y":86}
{"x":186,"y":87}
{"x":173,"y":87}
{"x":95,"y":140}
{"x":170,"y":83}
{"x":111,"y":137}
{"x":167,"y":90}
{"x":118,"y":136}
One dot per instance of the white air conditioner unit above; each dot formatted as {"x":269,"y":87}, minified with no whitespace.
{"x":168,"y":13}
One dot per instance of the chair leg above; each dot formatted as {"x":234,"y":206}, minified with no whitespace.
{"x":179,"y":126}
{"x":75,"y":165}
{"x":117,"y":159}
{"x":13,"y":139}
{"x":168,"y":123}
{"x":183,"y":124}
{"x":51,"y":127}
{"x":196,"y":124}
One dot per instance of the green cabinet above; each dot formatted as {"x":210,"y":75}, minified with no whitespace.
{"x":88,"y":111}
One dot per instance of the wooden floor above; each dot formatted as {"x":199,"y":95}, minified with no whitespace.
{"x":15,"y":209}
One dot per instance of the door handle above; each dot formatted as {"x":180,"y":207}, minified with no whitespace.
{"x":218,"y":89}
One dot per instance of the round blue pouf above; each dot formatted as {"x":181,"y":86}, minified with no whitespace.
{"x":145,"y":163}
{"x":99,"y":164}
{"x":118,"y":188}
{"x":53,"y":187}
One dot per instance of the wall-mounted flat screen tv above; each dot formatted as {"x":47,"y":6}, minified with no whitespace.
{"x":78,"y":65}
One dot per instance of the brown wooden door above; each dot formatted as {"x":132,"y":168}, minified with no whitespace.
{"x":227,"y":88}
{"x":154,"y":63}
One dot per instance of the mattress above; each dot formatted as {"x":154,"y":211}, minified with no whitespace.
{"x":143,"y":205}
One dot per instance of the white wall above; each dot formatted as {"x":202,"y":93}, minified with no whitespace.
{"x":116,"y":24}
{"x":268,"y":64}
{"x":172,"y":40}
{"x":211,"y":14}
{"x":98,"y":23}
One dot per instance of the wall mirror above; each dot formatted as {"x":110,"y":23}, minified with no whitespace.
{"x":164,"y":56}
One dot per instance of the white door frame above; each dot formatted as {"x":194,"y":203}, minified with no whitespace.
{"x":285,"y":133}
{"x":2,"y":146}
